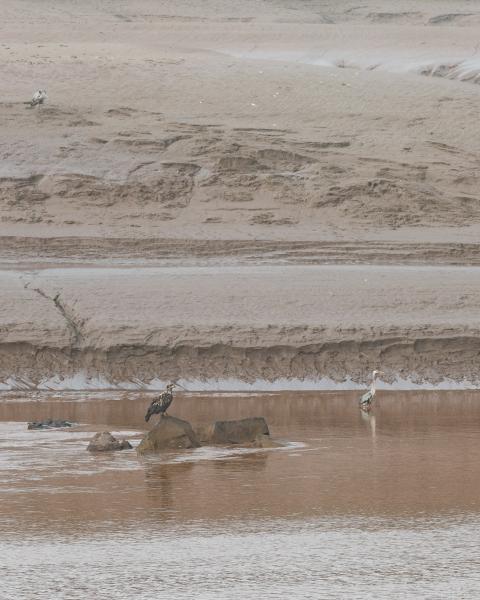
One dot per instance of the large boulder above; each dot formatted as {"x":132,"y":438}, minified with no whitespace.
{"x":169,"y":434}
{"x":249,"y":431}
{"x":105,"y":442}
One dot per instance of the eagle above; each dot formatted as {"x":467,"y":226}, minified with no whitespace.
{"x":160,"y":404}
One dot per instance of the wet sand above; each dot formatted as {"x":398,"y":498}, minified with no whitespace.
{"x":377,"y":506}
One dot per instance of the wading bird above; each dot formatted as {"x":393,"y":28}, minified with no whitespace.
{"x":39,"y":97}
{"x":367,"y":398}
{"x":160,"y":404}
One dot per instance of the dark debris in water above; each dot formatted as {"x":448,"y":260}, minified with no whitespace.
{"x":49,"y":424}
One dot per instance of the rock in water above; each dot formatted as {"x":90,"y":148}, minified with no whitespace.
{"x":105,"y":442}
{"x":169,"y":434}
{"x":242,"y":431}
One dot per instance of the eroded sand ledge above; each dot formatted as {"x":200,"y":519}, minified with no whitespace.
{"x":449,"y":358}
{"x":224,"y":323}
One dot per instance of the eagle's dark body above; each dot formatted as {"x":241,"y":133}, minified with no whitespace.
{"x":159,"y":405}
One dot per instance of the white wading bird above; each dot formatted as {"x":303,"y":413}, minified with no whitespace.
{"x":367,"y":398}
{"x":38,"y":97}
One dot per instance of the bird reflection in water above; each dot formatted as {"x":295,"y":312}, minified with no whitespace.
{"x":249,"y":462}
{"x":165,"y":482}
{"x":369,"y":418}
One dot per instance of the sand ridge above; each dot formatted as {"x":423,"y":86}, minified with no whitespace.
{"x":223,"y":322}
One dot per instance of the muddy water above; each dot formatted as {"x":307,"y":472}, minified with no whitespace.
{"x":354,"y":506}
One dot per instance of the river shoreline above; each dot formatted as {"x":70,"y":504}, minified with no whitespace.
{"x":222,"y":323}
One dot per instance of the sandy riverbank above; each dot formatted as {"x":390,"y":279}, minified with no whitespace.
{"x":138,"y":324}
{"x":218,"y":135}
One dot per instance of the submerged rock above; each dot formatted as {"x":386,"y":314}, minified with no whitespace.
{"x":265,"y":441}
{"x":105,"y":442}
{"x":169,"y":434}
{"x":49,"y":424}
{"x":251,"y":431}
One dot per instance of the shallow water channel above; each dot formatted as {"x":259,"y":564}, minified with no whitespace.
{"x":385,"y":505}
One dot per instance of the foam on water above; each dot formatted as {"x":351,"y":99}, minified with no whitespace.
{"x":221,"y":453}
{"x":82,"y":382}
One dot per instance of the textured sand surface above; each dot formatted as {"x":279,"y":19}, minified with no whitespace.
{"x":219,"y":133}
{"x":241,"y":322}
{"x":228,"y":120}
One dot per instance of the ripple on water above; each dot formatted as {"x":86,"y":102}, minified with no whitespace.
{"x":273,"y":559}
{"x":380,"y":507}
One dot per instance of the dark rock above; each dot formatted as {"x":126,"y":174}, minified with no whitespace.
{"x":169,"y":434}
{"x":242,"y":431}
{"x":105,"y":442}
{"x":49,"y":424}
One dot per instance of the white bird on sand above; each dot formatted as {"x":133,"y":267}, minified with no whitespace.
{"x":39,"y":97}
{"x":367,"y":398}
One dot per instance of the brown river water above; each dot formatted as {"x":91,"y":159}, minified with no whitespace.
{"x":385,"y":505}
